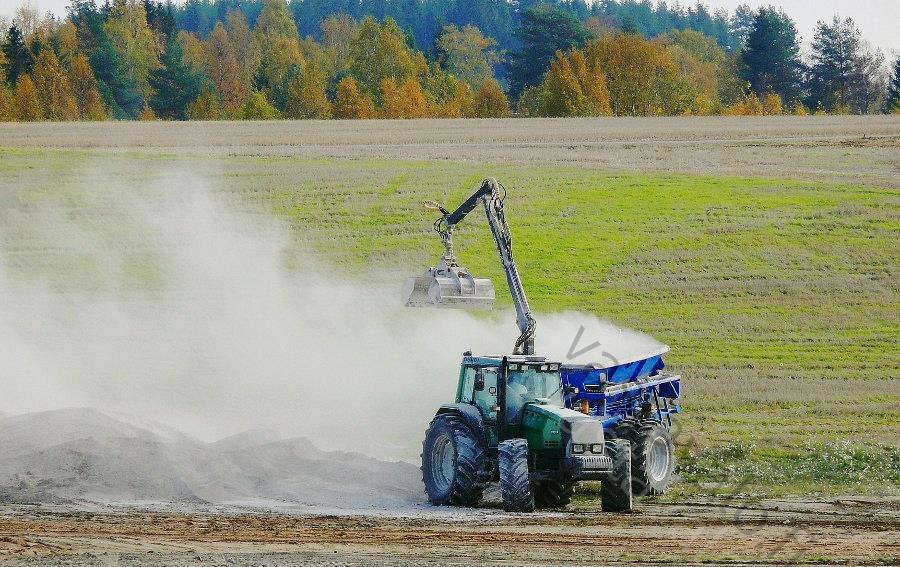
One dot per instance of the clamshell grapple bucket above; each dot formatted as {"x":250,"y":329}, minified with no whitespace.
{"x":450,"y":286}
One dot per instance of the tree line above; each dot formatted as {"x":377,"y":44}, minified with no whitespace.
{"x":267,"y":59}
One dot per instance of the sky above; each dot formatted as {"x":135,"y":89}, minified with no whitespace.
{"x":876,"y":19}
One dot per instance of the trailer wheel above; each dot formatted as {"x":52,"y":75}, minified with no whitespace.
{"x":615,"y":490}
{"x":553,"y":494}
{"x":515,"y":484}
{"x":452,"y":457}
{"x":652,"y":458}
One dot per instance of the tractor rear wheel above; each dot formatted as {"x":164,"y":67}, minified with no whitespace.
{"x":615,"y":490}
{"x":553,"y":493}
{"x":652,"y":458}
{"x":515,"y":484}
{"x":452,"y":459}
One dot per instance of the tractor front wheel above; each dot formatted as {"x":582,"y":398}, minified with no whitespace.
{"x":515,"y":484}
{"x":615,"y":490}
{"x":452,"y":459}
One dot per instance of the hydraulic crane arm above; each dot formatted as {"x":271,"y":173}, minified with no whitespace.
{"x":489,"y":194}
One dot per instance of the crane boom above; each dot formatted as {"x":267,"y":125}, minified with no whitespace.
{"x":490,"y":196}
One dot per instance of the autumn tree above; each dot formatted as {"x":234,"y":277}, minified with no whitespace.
{"x":243,"y":44}
{"x":174,"y":84}
{"x":405,"y":101}
{"x":258,"y":108}
{"x":133,"y":42}
{"x":468,"y":54}
{"x":85,"y":90}
{"x":25,"y":100}
{"x":379,"y":52}
{"x":337,"y":32}
{"x":642,"y":78}
{"x":350,"y":103}
{"x":205,"y":106}
{"x":572,"y":87}
{"x":490,"y":100}
{"x":54,"y":89}
{"x":280,"y":57}
{"x":224,"y":71}
{"x":306,"y":96}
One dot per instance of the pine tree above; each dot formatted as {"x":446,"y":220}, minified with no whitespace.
{"x":893,"y":100}
{"x":25,"y":100}
{"x":544,"y":31}
{"x":175,"y":85}
{"x":53,"y":88}
{"x":836,"y":60}
{"x":350,"y":103}
{"x":772,"y":55}
{"x":18,"y":58}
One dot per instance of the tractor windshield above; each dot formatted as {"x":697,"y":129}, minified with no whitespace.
{"x":527,"y":384}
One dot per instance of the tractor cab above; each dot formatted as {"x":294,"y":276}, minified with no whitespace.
{"x":527,"y":379}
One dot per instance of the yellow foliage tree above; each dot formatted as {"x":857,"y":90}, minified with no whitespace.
{"x":25,"y":98}
{"x":205,"y":106}
{"x":490,"y":100}
{"x":84,"y":87}
{"x":461,"y":103}
{"x":67,"y":44}
{"x":337,"y":33}
{"x":258,"y":108}
{"x":306,"y":96}
{"x":146,"y":114}
{"x":642,"y":78}
{"x":772,"y":105}
{"x":192,"y":52}
{"x":379,"y":52}
{"x":573,"y":88}
{"x":7,"y":110}
{"x":53,"y":88}
{"x":350,"y":103}
{"x":243,"y":44}
{"x":407,"y":101}
{"x":750,"y":105}
{"x":223,"y":69}
{"x":133,"y":42}
{"x":800,"y":109}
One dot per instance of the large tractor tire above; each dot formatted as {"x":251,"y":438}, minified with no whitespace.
{"x":615,"y":490}
{"x":652,"y":458}
{"x":553,"y":494}
{"x":452,"y":458}
{"x":515,"y":484}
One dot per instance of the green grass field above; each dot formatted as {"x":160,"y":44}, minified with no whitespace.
{"x":779,"y":298}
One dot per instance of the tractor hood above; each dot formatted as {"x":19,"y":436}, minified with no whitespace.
{"x":553,"y":428}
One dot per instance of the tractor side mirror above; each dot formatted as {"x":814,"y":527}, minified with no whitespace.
{"x":479,"y":380}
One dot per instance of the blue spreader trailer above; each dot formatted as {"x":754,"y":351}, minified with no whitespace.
{"x":638,"y":388}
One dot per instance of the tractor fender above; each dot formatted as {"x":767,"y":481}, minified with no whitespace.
{"x":470,"y":414}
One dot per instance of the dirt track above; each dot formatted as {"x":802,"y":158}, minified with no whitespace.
{"x":831,"y":148}
{"x":839,"y":532}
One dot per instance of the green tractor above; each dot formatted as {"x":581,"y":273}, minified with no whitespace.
{"x":508,"y":422}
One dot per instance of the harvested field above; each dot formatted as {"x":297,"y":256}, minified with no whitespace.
{"x":860,"y":149}
{"x":855,"y":532}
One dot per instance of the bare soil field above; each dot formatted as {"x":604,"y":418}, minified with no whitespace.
{"x":854,"y":532}
{"x":830,"y":148}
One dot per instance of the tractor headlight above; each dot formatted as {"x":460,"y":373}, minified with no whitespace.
{"x":597,"y":449}
{"x":577,"y":448}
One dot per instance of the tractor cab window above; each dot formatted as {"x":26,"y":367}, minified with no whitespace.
{"x":530,"y":383}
